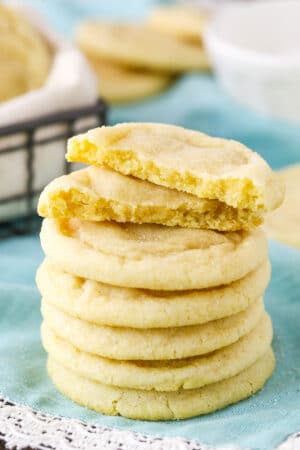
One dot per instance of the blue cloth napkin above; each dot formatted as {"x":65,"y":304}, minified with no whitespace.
{"x":260,"y":422}
{"x":193,"y":101}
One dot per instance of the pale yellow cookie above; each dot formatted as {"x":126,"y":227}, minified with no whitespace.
{"x":25,"y":57}
{"x":12,"y":80}
{"x":100,"y":194}
{"x":183,"y":22}
{"x":138,"y":46}
{"x":182,"y":159}
{"x":170,"y":375}
{"x":151,"y":405}
{"x":284,"y":224}
{"x":103,"y":304}
{"x":152,"y":256}
{"x":152,"y":343}
{"x":118,"y":84}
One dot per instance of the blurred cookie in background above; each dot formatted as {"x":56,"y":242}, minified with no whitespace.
{"x":25,"y":57}
{"x":132,"y":61}
{"x":183,"y":22}
{"x":139,"y":46}
{"x":284,"y":223}
{"x":118,"y":84}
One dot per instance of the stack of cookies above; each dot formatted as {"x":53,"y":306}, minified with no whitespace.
{"x":155,"y":272}
{"x":133,"y":60}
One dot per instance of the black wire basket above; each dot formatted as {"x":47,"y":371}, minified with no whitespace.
{"x":24,"y":143}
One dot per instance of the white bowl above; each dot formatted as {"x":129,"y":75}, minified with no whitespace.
{"x":255,"y":51}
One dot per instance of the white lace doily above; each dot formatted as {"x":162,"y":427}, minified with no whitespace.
{"x":24,"y":428}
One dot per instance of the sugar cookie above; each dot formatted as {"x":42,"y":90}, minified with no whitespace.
{"x":151,"y":405}
{"x":118,"y":84}
{"x":183,"y":22}
{"x":25,"y":57}
{"x":140,"y":47}
{"x":284,"y":224}
{"x":152,"y":256}
{"x":99,"y":194}
{"x":182,"y":159}
{"x":104,"y":304}
{"x":152,"y":343}
{"x":170,"y":375}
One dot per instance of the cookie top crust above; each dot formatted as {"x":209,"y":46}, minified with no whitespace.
{"x":137,"y":241}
